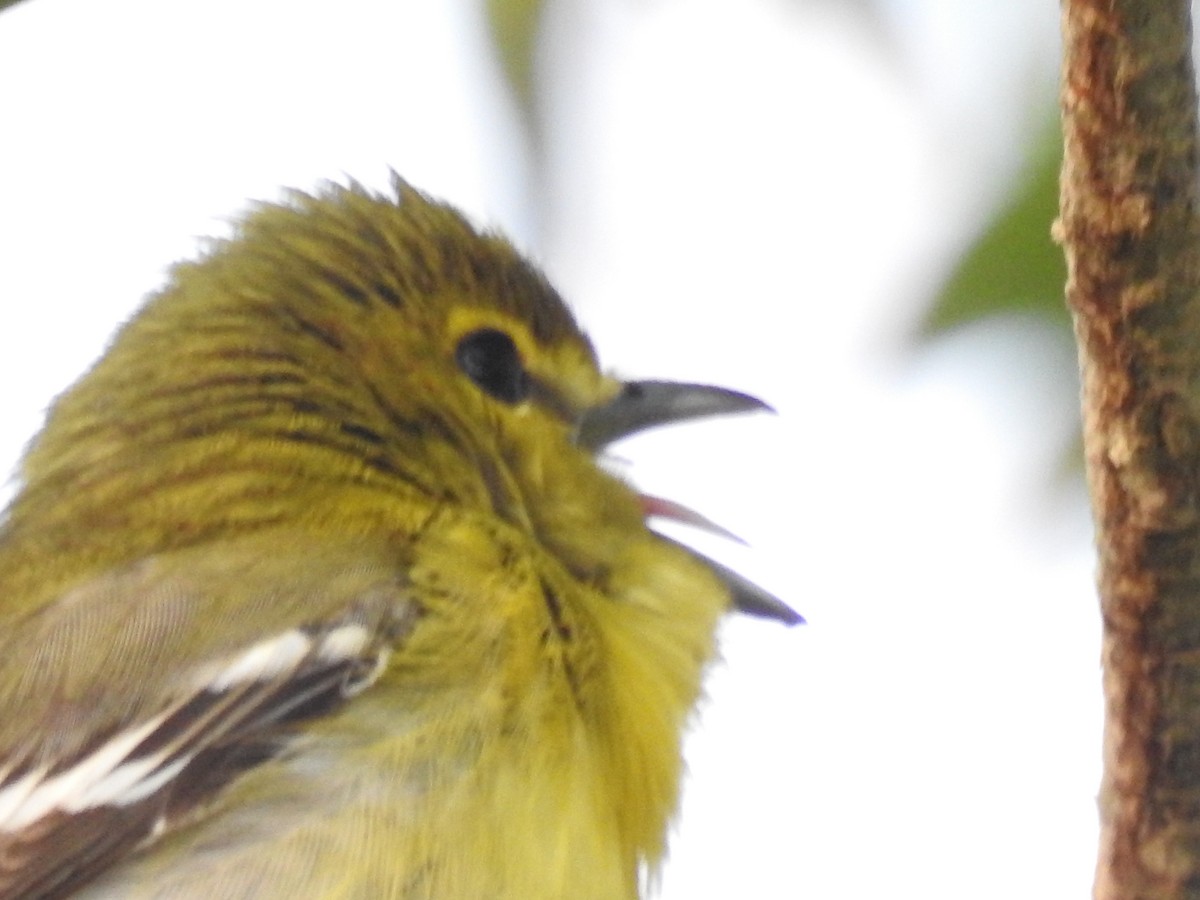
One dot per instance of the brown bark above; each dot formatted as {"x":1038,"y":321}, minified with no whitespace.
{"x":1129,"y":228}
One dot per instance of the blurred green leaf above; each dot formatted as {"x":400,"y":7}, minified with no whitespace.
{"x":514,"y":25}
{"x":1014,"y":266}
{"x":4,"y":4}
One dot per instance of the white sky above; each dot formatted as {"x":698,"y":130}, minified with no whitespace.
{"x":757,"y":193}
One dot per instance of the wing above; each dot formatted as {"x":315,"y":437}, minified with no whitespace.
{"x":254,"y":639}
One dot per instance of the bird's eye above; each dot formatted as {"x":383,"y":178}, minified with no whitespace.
{"x":490,"y":359}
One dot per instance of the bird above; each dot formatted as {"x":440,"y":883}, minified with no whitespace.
{"x":316,"y":584}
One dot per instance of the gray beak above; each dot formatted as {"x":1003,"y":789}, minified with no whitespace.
{"x":647,"y":404}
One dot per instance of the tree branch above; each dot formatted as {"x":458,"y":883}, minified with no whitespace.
{"x":1129,"y":228}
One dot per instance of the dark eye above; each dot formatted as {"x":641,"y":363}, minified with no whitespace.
{"x":490,"y":359}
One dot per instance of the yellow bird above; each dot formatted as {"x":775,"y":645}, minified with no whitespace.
{"x":314,"y":588}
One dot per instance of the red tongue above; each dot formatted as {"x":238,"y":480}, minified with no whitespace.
{"x":677,"y":512}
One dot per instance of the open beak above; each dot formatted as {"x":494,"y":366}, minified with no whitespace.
{"x":646,"y":404}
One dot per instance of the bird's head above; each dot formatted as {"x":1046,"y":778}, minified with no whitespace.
{"x":410,"y":346}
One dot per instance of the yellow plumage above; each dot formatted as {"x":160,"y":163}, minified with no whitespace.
{"x":312,"y":588}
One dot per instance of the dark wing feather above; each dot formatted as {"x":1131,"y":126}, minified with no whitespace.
{"x":67,"y":818}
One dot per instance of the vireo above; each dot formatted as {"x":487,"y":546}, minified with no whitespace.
{"x":313,"y":586}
